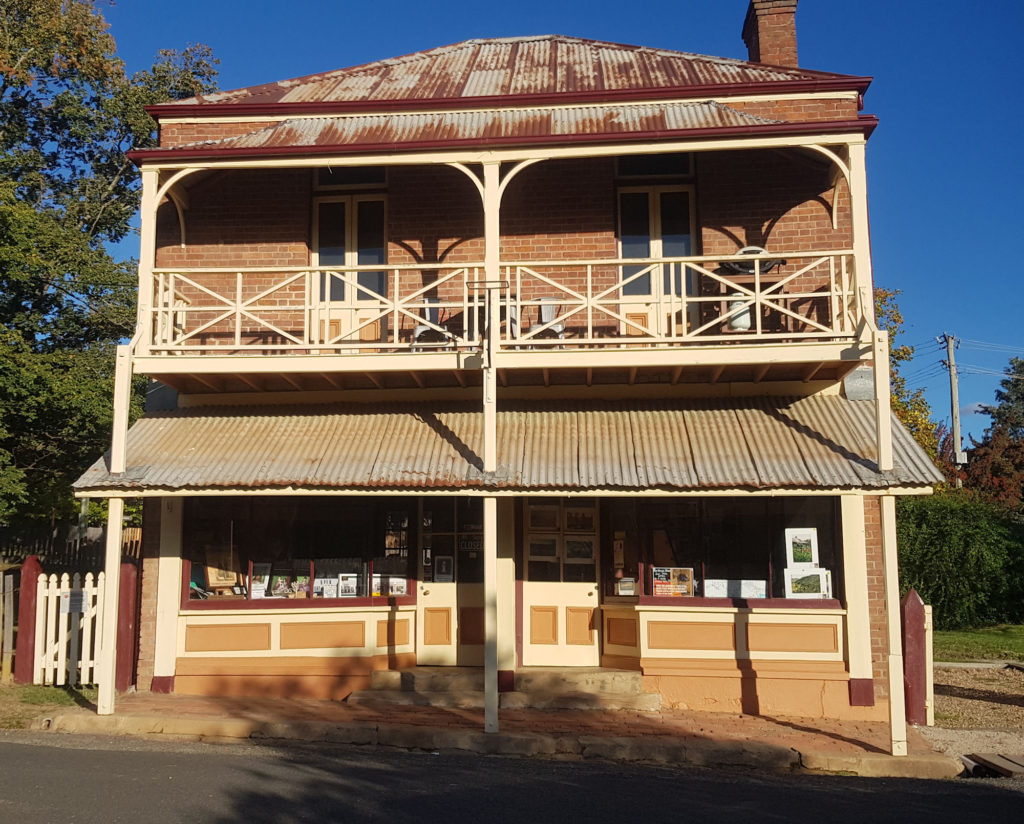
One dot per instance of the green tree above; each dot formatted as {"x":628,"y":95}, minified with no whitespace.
{"x":68,"y":114}
{"x":910,"y":406}
{"x":996,"y":465}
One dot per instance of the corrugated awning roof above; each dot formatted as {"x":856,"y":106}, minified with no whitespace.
{"x":490,"y":125}
{"x":749,"y":444}
{"x":514,"y":67}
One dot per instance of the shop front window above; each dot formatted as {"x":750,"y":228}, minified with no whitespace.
{"x":258,"y":549}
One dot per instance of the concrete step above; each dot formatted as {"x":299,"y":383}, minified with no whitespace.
{"x":474,"y":699}
{"x":543,"y":680}
{"x":549,"y":680}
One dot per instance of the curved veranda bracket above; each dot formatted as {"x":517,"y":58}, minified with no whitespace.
{"x":843,"y":168}
{"x":503,"y":184}
{"x":178,"y":198}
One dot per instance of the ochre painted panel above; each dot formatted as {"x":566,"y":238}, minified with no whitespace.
{"x":323,"y":635}
{"x":792,"y":638}
{"x":543,"y":625}
{"x":227,"y":637}
{"x":622,"y":632}
{"x":691,"y":635}
{"x":437,"y":626}
{"x":393,"y":633}
{"x":471,"y":625}
{"x":579,"y":625}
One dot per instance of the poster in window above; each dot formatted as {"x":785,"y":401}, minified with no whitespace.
{"x":579,"y":549}
{"x":808,"y":583}
{"x":260,"y":580}
{"x":444,"y":569}
{"x":802,"y":548}
{"x":675,"y":582}
{"x":348,"y":584}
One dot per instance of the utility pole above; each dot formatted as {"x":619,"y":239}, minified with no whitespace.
{"x":959,"y":456}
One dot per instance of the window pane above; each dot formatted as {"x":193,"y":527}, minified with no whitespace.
{"x":676,"y":163}
{"x":675,"y":236}
{"x":331,"y":248}
{"x":635,"y":222}
{"x":370,"y":246}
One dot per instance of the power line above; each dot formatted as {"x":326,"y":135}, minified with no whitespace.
{"x":998,"y":347}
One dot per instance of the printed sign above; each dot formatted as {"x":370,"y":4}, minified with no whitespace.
{"x":672,"y":581}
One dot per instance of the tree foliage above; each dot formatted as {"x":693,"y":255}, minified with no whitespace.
{"x":68,"y":114}
{"x":964,"y":555}
{"x":910,"y":405}
{"x":996,"y":465}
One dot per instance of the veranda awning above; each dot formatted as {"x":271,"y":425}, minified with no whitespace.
{"x":746,"y":445}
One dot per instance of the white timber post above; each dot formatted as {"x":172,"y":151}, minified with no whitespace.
{"x":111,"y":595}
{"x":865,"y":288}
{"x":490,"y":614}
{"x":897,"y":704}
{"x":147,"y":254}
{"x":858,"y":613}
{"x":492,"y":241}
{"x":122,"y":404}
{"x":883,"y":417}
{"x":168,"y":588}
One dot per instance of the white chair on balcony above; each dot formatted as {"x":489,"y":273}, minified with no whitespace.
{"x":423,"y":333}
{"x":547,"y":313}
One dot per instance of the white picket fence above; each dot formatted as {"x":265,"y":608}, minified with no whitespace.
{"x":68,"y":629}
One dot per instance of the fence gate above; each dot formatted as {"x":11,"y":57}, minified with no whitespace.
{"x":68,"y":629}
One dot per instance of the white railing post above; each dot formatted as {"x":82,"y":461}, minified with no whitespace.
{"x":108,"y":643}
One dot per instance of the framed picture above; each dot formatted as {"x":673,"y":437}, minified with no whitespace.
{"x":219,"y":572}
{"x":543,"y":547}
{"x":580,"y":519}
{"x":672,"y":581}
{"x":543,"y":517}
{"x":802,"y":548}
{"x":808,"y":583}
{"x":444,"y":569}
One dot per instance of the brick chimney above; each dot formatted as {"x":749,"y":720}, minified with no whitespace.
{"x":769,"y":31}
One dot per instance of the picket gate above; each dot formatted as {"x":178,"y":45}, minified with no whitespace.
{"x":68,"y":629}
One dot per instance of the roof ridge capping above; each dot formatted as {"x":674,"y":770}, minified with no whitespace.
{"x":447,"y":72}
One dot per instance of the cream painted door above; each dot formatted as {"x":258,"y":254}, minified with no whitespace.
{"x":656,"y":222}
{"x":350,"y":231}
{"x":450,"y":596}
{"x":560,"y":613}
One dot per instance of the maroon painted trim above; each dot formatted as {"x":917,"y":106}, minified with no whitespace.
{"x":767,"y":88}
{"x":752,"y":603}
{"x":506,"y":680}
{"x":862,"y":692}
{"x":914,"y":668}
{"x":162,"y":684}
{"x":519,"y":623}
{"x":127,"y":626}
{"x":863,"y":123}
{"x":25,"y":647}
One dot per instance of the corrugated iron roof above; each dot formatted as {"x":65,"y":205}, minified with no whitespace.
{"x":755,"y":444}
{"x":538,"y":65}
{"x":491,"y":125}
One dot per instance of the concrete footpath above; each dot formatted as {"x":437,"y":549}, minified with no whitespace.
{"x":673,"y":737}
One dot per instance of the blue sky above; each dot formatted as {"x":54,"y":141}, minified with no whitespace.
{"x":944,"y":166}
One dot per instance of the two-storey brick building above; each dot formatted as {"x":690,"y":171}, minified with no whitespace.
{"x":522,"y":352}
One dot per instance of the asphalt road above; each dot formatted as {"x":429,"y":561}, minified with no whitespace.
{"x":52,"y":778}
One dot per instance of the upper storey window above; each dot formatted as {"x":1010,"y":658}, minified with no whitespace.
{"x":674,"y":164}
{"x":351,"y":177}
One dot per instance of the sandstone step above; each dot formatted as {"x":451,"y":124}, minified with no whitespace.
{"x":578,"y":680}
{"x":473,"y":699}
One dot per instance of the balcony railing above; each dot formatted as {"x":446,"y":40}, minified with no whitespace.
{"x":542,"y":305}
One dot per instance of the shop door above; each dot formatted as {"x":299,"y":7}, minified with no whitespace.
{"x":655,"y":222}
{"x":560,"y":613}
{"x":450,"y":596}
{"x":349,"y":305}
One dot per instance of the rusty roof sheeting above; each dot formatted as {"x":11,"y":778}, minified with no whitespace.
{"x":543,"y":64}
{"x":490,"y":125}
{"x":752,"y":444}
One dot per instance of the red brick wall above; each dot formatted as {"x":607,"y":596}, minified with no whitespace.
{"x":769,"y":31}
{"x":147,"y":600}
{"x":181,"y":134}
{"x":876,"y":595}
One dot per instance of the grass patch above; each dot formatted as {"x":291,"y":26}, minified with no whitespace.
{"x":20,"y":704}
{"x":1004,"y":642}
{"x":59,"y":696}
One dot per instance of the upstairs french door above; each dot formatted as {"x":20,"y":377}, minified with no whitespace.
{"x":349,"y":230}
{"x":656,"y":222}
